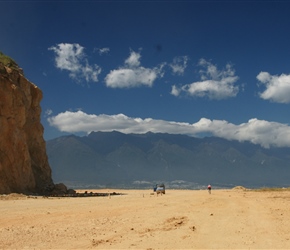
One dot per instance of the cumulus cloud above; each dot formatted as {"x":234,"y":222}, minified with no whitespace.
{"x":133,"y":61}
{"x":132,"y":74}
{"x":277,"y":87}
{"x":71,"y":57}
{"x":265,"y":133}
{"x":179,"y":65}
{"x":214,"y":83}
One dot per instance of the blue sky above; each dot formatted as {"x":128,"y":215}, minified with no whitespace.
{"x":218,"y":68}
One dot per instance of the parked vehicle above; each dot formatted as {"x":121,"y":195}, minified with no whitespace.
{"x":159,"y":188}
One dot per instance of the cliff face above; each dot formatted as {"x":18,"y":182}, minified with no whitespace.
{"x":24,"y":166}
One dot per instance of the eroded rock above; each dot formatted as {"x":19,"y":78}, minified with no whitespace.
{"x":24,"y":166}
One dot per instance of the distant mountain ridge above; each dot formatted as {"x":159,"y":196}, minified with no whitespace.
{"x":114,"y":159}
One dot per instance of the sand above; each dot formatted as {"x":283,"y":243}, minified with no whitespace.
{"x":180,"y":219}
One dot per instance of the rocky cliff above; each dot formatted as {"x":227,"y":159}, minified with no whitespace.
{"x":24,"y":166}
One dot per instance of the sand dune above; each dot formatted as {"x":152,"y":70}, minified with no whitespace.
{"x":180,"y":219}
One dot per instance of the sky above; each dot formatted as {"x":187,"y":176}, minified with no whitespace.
{"x":201,"y":68}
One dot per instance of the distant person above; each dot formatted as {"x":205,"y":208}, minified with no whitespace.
{"x":209,"y":189}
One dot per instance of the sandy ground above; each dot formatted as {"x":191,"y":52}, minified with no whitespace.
{"x":180,"y":219}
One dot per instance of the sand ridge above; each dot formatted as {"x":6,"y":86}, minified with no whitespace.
{"x":180,"y":219}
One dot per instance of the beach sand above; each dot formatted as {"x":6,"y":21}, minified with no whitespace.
{"x":180,"y":219}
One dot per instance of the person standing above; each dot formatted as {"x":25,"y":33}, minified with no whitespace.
{"x":209,"y":188}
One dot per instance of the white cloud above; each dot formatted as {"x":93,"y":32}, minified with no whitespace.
{"x":132,"y":74}
{"x":91,"y":73}
{"x":277,"y":87}
{"x":179,"y":65}
{"x":265,"y":133}
{"x":48,"y":112}
{"x":214,"y":84}
{"x":102,"y":51}
{"x":71,"y":57}
{"x":133,"y":60}
{"x":175,"y":90}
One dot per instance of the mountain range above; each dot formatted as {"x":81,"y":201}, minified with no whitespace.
{"x":114,"y":159}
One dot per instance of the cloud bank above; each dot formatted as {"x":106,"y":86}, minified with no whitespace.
{"x":132,"y":74}
{"x":265,"y":133}
{"x":277,"y":87}
{"x":71,"y":57}
{"x":214,"y":84}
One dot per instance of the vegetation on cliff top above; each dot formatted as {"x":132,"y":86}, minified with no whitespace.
{"x":7,"y":61}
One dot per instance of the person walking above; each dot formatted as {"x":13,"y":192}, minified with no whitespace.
{"x":209,"y":188}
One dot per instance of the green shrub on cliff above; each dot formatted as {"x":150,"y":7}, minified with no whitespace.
{"x":10,"y":63}
{"x":7,"y":61}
